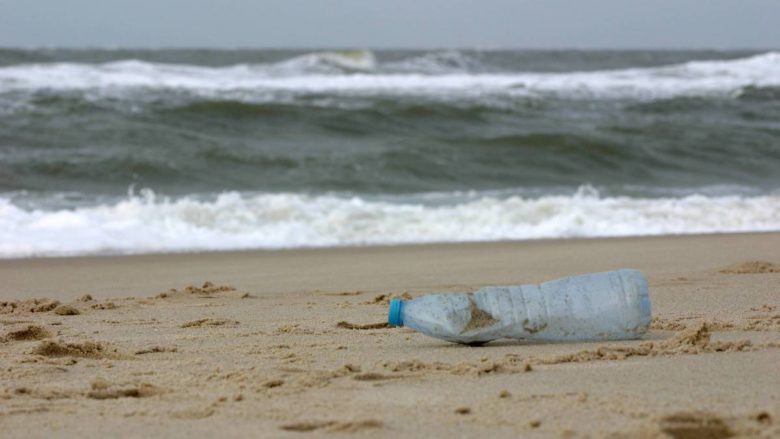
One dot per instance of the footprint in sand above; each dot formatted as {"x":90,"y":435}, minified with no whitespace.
{"x":87,"y":349}
{"x":751,"y":267}
{"x":102,"y":389}
{"x":28,"y":306}
{"x":208,"y":322}
{"x":705,"y":425}
{"x":695,"y":425}
{"x":333,"y":426}
{"x":208,"y":290}
{"x":25,"y":333}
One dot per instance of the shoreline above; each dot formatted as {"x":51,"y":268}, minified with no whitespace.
{"x":23,"y":276}
{"x":380,"y":246}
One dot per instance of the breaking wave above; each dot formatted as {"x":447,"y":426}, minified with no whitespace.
{"x":432,"y":74}
{"x":148,"y":223}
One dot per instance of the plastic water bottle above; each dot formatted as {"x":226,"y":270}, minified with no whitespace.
{"x":601,"y":306}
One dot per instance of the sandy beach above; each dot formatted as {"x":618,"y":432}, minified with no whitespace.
{"x":240,"y":344}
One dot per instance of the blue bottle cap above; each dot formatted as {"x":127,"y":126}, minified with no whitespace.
{"x":394,"y":317}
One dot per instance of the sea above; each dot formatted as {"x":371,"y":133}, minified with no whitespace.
{"x":118,"y":151}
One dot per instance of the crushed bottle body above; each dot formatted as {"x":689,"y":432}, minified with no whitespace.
{"x":613,"y":305}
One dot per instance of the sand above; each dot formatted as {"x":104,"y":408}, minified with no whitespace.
{"x":291,"y":344}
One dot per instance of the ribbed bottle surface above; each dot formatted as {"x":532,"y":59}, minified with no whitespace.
{"x":600,"y":306}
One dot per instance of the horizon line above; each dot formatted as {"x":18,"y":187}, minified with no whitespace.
{"x":392,"y":48}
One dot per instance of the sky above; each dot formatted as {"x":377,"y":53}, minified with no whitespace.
{"x":543,"y":24}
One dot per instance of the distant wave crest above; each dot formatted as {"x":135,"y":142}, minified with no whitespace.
{"x":327,"y":62}
{"x":357,"y":73}
{"x":442,"y":62}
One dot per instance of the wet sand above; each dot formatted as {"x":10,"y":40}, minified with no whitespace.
{"x":285,"y":344}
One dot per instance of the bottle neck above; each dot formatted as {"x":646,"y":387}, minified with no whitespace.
{"x":395,"y":313}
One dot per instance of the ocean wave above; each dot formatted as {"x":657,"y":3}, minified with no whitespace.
{"x":755,"y":93}
{"x":722,"y":78}
{"x":437,"y":63}
{"x":327,"y":62}
{"x":148,"y":223}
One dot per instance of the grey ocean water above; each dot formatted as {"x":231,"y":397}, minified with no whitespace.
{"x":105,"y":151}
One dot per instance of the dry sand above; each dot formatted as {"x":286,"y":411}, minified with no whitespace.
{"x":286,"y":344}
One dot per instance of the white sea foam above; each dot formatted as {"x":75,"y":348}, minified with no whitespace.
{"x":147,"y":223}
{"x":333,"y":62}
{"x":444,"y":62}
{"x":691,"y":78}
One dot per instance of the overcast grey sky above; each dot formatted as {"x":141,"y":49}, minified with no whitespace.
{"x":392,"y":23}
